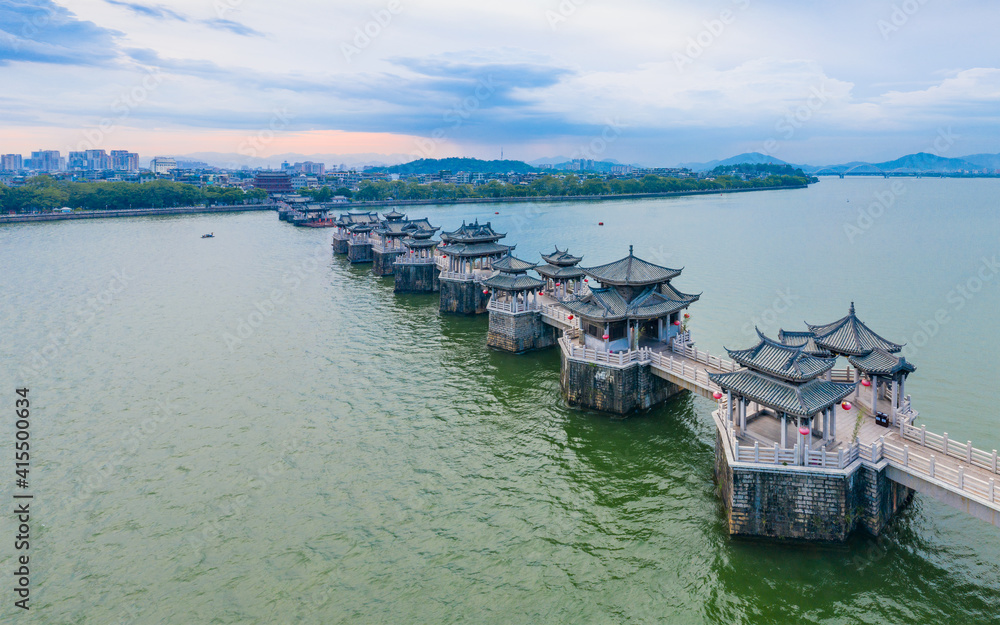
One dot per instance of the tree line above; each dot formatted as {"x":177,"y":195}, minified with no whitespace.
{"x":570,"y":186}
{"x":43,"y":193}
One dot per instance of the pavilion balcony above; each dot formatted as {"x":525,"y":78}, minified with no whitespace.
{"x":514,"y":307}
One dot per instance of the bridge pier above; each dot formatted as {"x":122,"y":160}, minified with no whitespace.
{"x":463,"y":297}
{"x":610,"y":388}
{"x":519,"y":332}
{"x":805,"y":503}
{"x":416,"y":277}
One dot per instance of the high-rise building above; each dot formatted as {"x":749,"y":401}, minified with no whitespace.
{"x":11,"y":162}
{"x":162,"y":165}
{"x":123,"y":160}
{"x":46,"y":160}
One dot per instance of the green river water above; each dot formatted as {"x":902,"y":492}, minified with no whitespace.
{"x":356,"y":457}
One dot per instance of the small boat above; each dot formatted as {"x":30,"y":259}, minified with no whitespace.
{"x":210,"y":235}
{"x":600,"y":223}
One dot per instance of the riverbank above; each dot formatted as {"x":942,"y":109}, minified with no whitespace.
{"x":186,"y":210}
{"x":567,"y":198}
{"x":137,"y":212}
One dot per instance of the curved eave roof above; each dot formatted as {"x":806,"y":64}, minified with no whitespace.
{"x":631,"y":271}
{"x":805,"y":340}
{"x":788,"y":363}
{"x":511,"y":264}
{"x":881,"y":362}
{"x":851,"y":337}
{"x":473,"y":233}
{"x":801,"y":400}
{"x":561,"y":258}
{"x":508,"y":282}
{"x":473,"y":250}
{"x":607,"y":304}
{"x":560,"y":273}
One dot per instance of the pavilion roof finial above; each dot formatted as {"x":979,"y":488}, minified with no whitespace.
{"x":629,"y":250}
{"x":852,"y":308}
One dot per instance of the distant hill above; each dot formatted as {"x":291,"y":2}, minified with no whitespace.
{"x":983,"y":161}
{"x":754,"y":158}
{"x":922,"y":161}
{"x":472,"y":165}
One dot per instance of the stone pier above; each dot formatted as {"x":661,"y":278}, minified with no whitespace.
{"x":383,"y":259}
{"x":619,"y":390}
{"x":416,"y":277}
{"x":464,"y":297}
{"x":803,"y":503}
{"x":359,"y":251}
{"x":519,"y":332}
{"x":340,"y":244}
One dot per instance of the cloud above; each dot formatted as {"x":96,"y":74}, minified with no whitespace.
{"x":40,"y":31}
{"x":161,"y":12}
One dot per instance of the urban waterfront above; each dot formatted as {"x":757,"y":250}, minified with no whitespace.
{"x":247,"y":429}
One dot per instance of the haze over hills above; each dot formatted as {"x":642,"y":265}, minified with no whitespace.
{"x":922,"y":162}
{"x":234,"y":160}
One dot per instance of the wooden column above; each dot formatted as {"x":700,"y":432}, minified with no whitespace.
{"x":729,"y":406}
{"x":784,"y":431}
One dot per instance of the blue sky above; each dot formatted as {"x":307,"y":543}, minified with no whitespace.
{"x":631,"y":80}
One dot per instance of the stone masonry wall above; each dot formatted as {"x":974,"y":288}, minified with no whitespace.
{"x":612,"y":389}
{"x":519,"y":333}
{"x":462,"y":297}
{"x":359,"y":252}
{"x":767,"y":502}
{"x":421,"y":278}
{"x":339,"y":245}
{"x":382,"y":262}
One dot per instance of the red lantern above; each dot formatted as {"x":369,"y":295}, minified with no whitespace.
{"x":717,"y":395}
{"x":846,"y":405}
{"x":865,"y":383}
{"x":570,"y":317}
{"x":687,"y":316}
{"x":586,"y":280}
{"x":606,"y":337}
{"x":677,"y":323}
{"x":485,"y":292}
{"x":558,"y":283}
{"x":804,"y":431}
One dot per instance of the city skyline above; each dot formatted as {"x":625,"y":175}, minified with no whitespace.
{"x":664,"y":84}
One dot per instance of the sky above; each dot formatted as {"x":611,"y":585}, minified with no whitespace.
{"x":638,"y":81}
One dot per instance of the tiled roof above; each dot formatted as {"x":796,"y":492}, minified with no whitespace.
{"x":560,"y":273}
{"x":561,"y":258}
{"x":513,"y":282}
{"x":881,"y":362}
{"x":805,"y":340}
{"x":347,"y":219}
{"x":801,"y":400}
{"x":631,"y":271}
{"x":475,"y":249}
{"x":472,"y":233}
{"x":510,"y":264}
{"x":607,"y":304}
{"x":782,"y":361}
{"x":850,"y":337}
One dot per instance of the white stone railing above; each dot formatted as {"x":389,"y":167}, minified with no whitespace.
{"x":413,"y":259}
{"x":558,"y":313}
{"x":722,"y":364}
{"x":776,"y":455}
{"x":918,"y":464}
{"x":513,"y":308}
{"x":964,"y":452}
{"x":620,"y":359}
{"x":455,"y":275}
